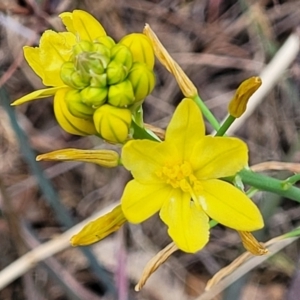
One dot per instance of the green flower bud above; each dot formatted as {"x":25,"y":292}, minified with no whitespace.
{"x":112,"y":123}
{"x":140,"y":47}
{"x":121,"y":94}
{"x":142,"y":79}
{"x":106,"y":41}
{"x":93,"y":97}
{"x":122,"y":55}
{"x":71,"y":77}
{"x":99,"y":81}
{"x":90,"y":64}
{"x":101,"y":53}
{"x":116,"y":72}
{"x":76,"y":107}
{"x":82,"y":46}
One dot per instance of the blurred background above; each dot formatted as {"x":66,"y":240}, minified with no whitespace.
{"x":219,"y":44}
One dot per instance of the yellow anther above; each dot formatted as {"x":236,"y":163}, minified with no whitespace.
{"x":179,"y":175}
{"x":186,"y":169}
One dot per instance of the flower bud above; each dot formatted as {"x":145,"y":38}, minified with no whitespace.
{"x":121,"y":94}
{"x":88,"y":63}
{"x":116,"y":72}
{"x":76,"y":107}
{"x":112,"y":123}
{"x":247,"y":88}
{"x":106,"y":41}
{"x":142,"y":79}
{"x":99,"y":81}
{"x":101,"y":53}
{"x":82,"y":46}
{"x":67,"y":121}
{"x":71,"y":77}
{"x":93,"y":97}
{"x":140,"y":47}
{"x":122,"y":55}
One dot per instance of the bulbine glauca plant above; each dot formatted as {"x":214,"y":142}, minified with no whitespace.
{"x":194,"y":181}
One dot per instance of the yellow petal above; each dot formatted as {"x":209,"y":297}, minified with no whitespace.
{"x":140,"y":47}
{"x":83,"y":24}
{"x":67,"y":121}
{"x":215,"y":157}
{"x":144,"y":158}
{"x":100,"y":228}
{"x":229,"y":206}
{"x":139,"y":201}
{"x":55,"y":48}
{"x":32,"y":56}
{"x":44,"y":93}
{"x":67,"y":19}
{"x":101,"y":157}
{"x":186,"y":127}
{"x":188,"y":226}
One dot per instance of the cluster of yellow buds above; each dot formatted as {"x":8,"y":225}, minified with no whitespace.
{"x":106,"y":80}
{"x":101,"y":82}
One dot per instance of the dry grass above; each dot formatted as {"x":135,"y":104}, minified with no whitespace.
{"x":218,"y":44}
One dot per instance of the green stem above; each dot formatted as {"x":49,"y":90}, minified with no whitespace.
{"x":222,"y":130}
{"x":290,"y":181}
{"x":207,"y":113}
{"x":266,"y":183}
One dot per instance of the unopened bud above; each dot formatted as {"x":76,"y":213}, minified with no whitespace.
{"x":67,"y":121}
{"x":142,"y":79}
{"x":71,"y":77}
{"x":76,"y":107}
{"x":99,"y":81}
{"x":247,"y":88}
{"x":116,"y":72}
{"x":101,"y":53}
{"x":90,"y":64}
{"x":93,"y":97}
{"x":121,"y":94}
{"x":82,"y":46}
{"x":122,"y":55}
{"x":112,"y":123}
{"x":106,"y":41}
{"x":140,"y":47}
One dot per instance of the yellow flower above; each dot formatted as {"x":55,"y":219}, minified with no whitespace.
{"x":54,"y":50}
{"x":86,"y":69}
{"x":180,"y":177}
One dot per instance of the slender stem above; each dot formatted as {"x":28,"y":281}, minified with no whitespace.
{"x":222,"y":130}
{"x":207,"y":113}
{"x":291,"y":180}
{"x":266,"y":183}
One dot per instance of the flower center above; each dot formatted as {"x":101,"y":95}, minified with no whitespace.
{"x":180,"y":176}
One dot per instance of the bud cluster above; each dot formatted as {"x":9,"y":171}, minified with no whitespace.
{"x":106,"y":80}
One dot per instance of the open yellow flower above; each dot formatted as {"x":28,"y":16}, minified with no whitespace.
{"x":180,"y":178}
